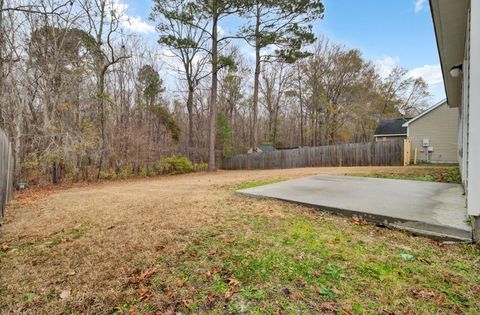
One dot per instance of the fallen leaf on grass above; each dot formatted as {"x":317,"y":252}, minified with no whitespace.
{"x":70,"y":273}
{"x":180,"y":283}
{"x":4,"y":247}
{"x":428,"y":262}
{"x":300,"y":283}
{"x":233,"y":282}
{"x":159,"y":247}
{"x":440,"y":300}
{"x":423,"y":294}
{"x":56,"y":281}
{"x":144,"y":293}
{"x":65,"y":294}
{"x":144,"y":275}
{"x":359,"y":221}
{"x":329,"y":306}
{"x":169,"y":293}
{"x":233,"y":288}
{"x":133,"y":310}
{"x":187,"y":302}
{"x":211,"y":298}
{"x":230,"y":292}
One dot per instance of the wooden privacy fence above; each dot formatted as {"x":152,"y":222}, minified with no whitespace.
{"x":6,"y":171}
{"x":352,"y":154}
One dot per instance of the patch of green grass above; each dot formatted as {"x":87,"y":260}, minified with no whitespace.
{"x":261,"y":264}
{"x":447,"y":174}
{"x":78,"y":232}
{"x":70,"y":235}
{"x":29,"y":297}
{"x":424,"y":177}
{"x":256,"y":183}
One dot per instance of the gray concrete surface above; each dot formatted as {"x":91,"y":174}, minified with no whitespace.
{"x":431,"y":209}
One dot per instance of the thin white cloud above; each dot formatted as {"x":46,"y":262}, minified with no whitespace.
{"x":432,"y":74}
{"x":136,"y":24}
{"x":386,"y":64}
{"x":419,"y":4}
{"x":133,"y":23}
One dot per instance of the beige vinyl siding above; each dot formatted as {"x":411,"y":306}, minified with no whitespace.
{"x":440,"y":126}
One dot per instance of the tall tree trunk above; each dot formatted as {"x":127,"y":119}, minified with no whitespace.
{"x":315,"y":128}
{"x":190,"y":122}
{"x":17,"y":147}
{"x":300,"y":100}
{"x":101,"y":91}
{"x":213,"y":94}
{"x":275,"y":122}
{"x":256,"y":80}
{"x":2,"y":47}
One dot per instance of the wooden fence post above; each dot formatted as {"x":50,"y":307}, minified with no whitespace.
{"x":406,"y":152}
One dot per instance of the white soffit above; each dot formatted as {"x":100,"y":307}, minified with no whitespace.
{"x":449,"y":19}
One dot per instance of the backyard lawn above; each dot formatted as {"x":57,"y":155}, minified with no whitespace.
{"x":189,"y":244}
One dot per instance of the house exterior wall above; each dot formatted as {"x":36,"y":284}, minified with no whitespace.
{"x":440,"y":126}
{"x":463,"y":110}
{"x":464,"y":92}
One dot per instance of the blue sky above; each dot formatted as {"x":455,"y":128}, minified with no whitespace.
{"x":387,"y":32}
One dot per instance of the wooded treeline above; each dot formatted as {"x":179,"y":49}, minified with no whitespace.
{"x":82,"y":94}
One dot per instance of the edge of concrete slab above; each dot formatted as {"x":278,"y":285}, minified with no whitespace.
{"x":432,"y":231}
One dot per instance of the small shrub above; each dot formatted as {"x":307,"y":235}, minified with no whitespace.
{"x":151,"y":171}
{"x":177,"y":164}
{"x":143,"y":171}
{"x":157,"y":168}
{"x":108,"y":174}
{"x":200,"y":167}
{"x":125,"y":172}
{"x":453,"y":176}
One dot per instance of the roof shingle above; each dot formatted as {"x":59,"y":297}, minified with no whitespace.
{"x":391,"y":127}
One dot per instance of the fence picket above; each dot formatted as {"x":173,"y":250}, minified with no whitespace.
{"x":353,"y":154}
{"x":6,"y":169}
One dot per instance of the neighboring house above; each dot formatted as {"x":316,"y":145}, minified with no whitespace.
{"x":457,"y":30}
{"x":391,"y":129}
{"x":434,"y":134}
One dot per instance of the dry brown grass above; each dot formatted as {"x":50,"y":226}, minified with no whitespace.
{"x":90,"y":241}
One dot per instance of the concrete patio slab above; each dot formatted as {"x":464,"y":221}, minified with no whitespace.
{"x":435,"y":210}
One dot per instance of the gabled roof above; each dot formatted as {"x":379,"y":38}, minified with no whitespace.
{"x":391,"y":127}
{"x":425,"y":113}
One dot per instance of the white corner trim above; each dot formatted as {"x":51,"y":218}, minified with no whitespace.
{"x":473,"y":157}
